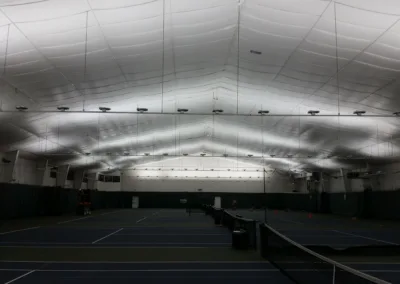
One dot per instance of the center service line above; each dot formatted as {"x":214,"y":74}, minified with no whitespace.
{"x":140,"y":220}
{"x":19,"y":277}
{"x":107,"y":236}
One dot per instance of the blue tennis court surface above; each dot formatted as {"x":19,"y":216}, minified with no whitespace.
{"x":327,"y":230}
{"x":168,"y":229}
{"x":178,"y":272}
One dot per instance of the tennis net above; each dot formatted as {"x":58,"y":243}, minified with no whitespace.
{"x":303,"y":265}
{"x":233,"y":222}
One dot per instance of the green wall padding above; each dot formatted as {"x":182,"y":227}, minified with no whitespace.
{"x":19,"y":201}
{"x":352,"y":205}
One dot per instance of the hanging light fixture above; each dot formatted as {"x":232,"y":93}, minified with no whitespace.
{"x":21,"y":108}
{"x":142,"y":109}
{"x":182,"y":110}
{"x":263,"y":112}
{"x":63,"y":108}
{"x":104,"y":109}
{"x":359,"y":112}
{"x":313,"y":112}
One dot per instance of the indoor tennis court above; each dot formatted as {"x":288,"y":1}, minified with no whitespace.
{"x":199,"y":140}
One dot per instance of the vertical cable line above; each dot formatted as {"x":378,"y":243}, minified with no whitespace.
{"x":85,"y":64}
{"x":6,"y":51}
{"x":238,"y":50}
{"x":337,"y":74}
{"x":163,"y":59}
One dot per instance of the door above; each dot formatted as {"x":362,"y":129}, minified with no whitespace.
{"x":135,"y":202}
{"x":217,"y":202}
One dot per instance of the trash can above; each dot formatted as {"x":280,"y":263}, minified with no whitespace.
{"x":240,"y":239}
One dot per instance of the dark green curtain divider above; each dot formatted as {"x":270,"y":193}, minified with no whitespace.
{"x":351,"y":206}
{"x":20,"y":201}
{"x":325,"y":203}
{"x":382,"y":204}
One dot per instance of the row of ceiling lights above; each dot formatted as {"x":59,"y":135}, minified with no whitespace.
{"x":224,"y":155}
{"x":202,"y":154}
{"x":193,"y":177}
{"x":172,"y":169}
{"x":184,"y":110}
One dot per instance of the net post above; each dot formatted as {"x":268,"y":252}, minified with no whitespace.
{"x":334,"y":274}
{"x":265,"y":199}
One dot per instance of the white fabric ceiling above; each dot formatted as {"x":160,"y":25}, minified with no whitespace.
{"x":332,"y":56}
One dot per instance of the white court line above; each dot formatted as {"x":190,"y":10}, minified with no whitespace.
{"x":140,"y":244}
{"x":160,"y":270}
{"x":9,"y":232}
{"x":368,"y":238}
{"x":172,"y":235}
{"x":63,"y":222}
{"x":19,"y":277}
{"x":140,"y":262}
{"x":138,"y":221}
{"x":181,"y":270}
{"x":109,"y":212}
{"x":42,"y":243}
{"x":108,"y":235}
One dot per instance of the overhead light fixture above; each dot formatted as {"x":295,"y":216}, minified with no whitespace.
{"x":182,"y":110}
{"x":104,"y":109}
{"x":397,"y":113}
{"x":359,"y":112}
{"x":21,"y":108}
{"x":142,"y":109}
{"x":263,"y":112}
{"x":313,"y":112}
{"x":255,"y":52}
{"x":218,"y":111}
{"x":63,"y":108}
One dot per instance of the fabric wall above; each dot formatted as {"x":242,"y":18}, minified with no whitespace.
{"x":18,"y":201}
